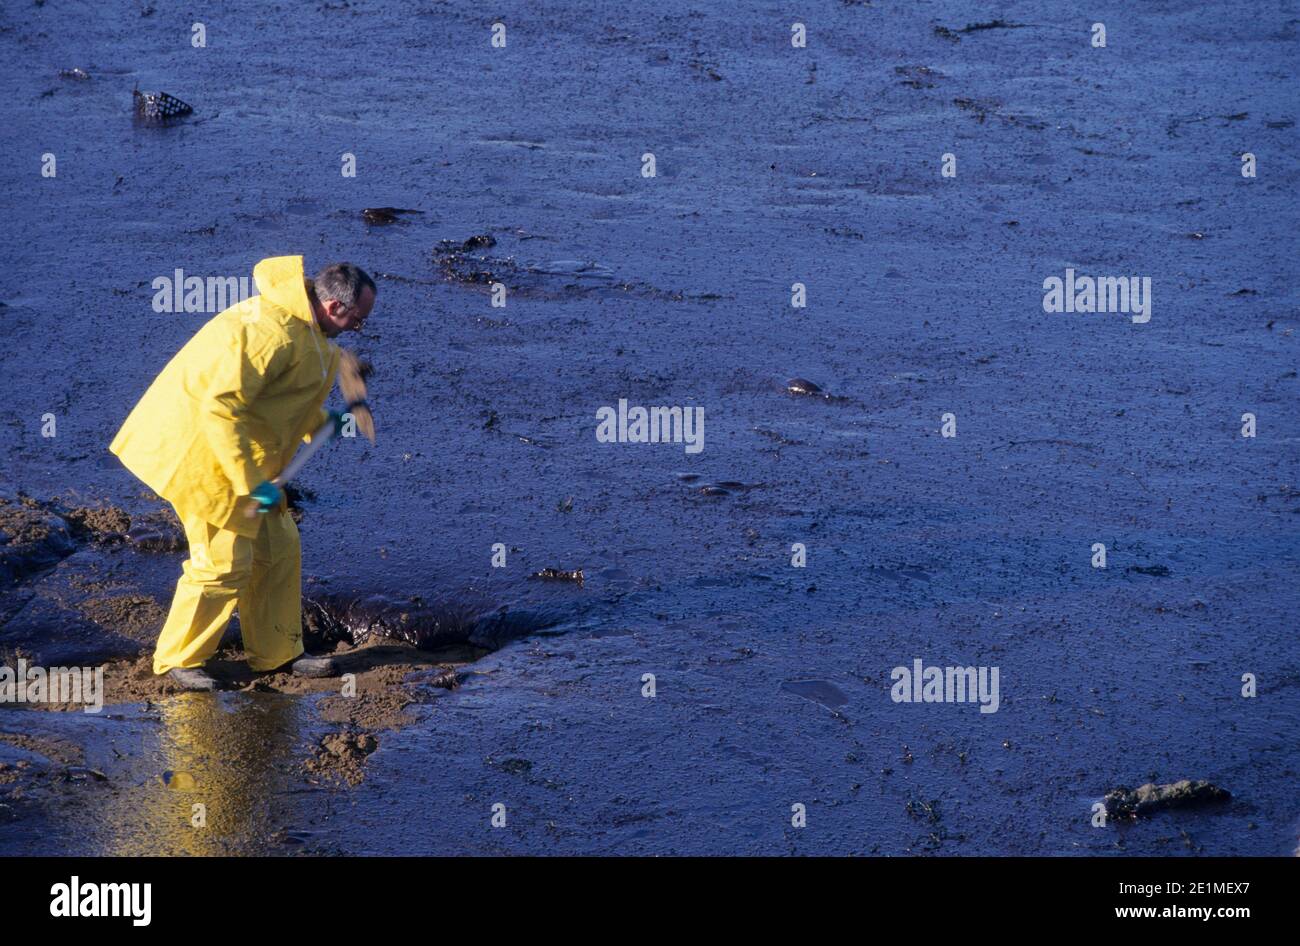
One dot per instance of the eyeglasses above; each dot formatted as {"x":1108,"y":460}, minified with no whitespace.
{"x":348,"y":313}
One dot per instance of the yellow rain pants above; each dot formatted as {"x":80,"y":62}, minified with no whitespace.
{"x":261,"y":576}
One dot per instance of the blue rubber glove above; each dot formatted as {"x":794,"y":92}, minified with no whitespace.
{"x":267,"y":495}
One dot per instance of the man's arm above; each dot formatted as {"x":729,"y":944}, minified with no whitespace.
{"x":321,"y":416}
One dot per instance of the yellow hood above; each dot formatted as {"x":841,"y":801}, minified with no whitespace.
{"x":279,"y":279}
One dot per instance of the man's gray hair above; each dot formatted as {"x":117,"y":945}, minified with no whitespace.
{"x":342,"y":281}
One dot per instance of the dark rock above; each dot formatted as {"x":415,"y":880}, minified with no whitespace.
{"x":1152,"y":798}
{"x":32,"y":540}
{"x":328,"y":620}
{"x":380,"y":216}
{"x":805,"y":387}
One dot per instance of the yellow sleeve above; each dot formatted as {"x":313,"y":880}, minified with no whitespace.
{"x":323,"y":416}
{"x":235,"y":382}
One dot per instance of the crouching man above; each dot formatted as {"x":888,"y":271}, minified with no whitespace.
{"x":215,"y":427}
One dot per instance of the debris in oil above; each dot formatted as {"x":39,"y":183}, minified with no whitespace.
{"x":555,"y":574}
{"x":159,"y":106}
{"x":380,"y":216}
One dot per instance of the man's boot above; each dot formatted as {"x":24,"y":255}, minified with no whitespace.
{"x":192,"y":678}
{"x":309,"y":666}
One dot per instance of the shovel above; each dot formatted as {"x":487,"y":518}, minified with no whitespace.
{"x":353,"y":386}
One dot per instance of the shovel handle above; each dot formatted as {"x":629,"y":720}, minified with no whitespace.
{"x":320,"y":436}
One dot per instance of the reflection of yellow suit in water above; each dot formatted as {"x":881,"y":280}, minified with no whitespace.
{"x":229,"y":753}
{"x":226,"y":414}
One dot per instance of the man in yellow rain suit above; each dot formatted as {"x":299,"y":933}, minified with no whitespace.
{"x":221,"y":420}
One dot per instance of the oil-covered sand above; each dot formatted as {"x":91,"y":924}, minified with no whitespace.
{"x":775,"y":166}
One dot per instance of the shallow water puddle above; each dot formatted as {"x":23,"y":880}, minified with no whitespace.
{"x":236,"y":756}
{"x":819,"y":691}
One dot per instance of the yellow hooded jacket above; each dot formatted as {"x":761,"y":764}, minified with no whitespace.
{"x":232,"y":406}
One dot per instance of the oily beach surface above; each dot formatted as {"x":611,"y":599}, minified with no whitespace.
{"x":772,"y":683}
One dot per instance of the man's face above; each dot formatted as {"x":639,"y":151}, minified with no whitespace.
{"x":339,"y":318}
